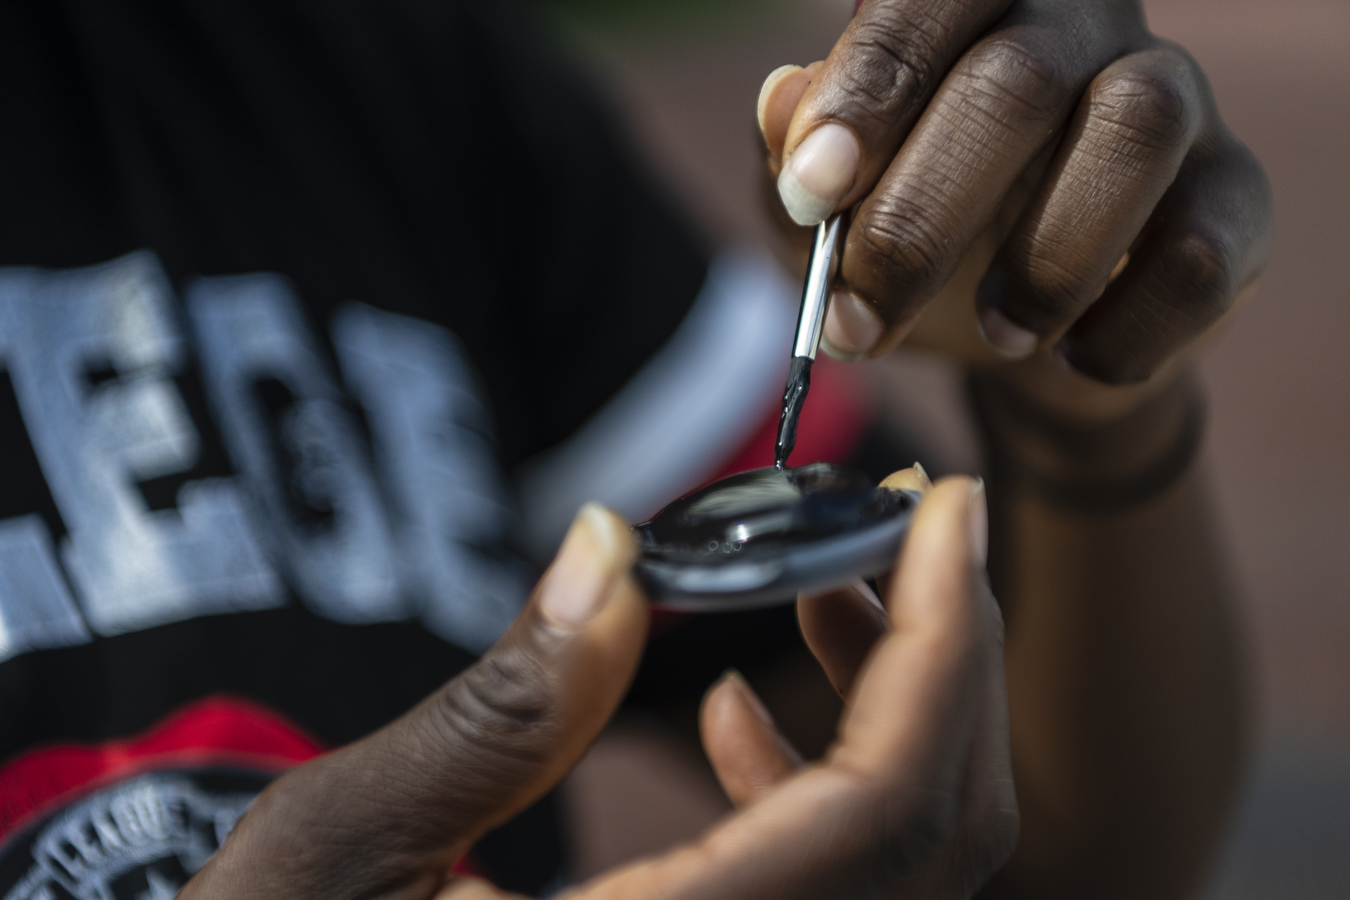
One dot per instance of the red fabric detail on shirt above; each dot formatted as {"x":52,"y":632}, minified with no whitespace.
{"x":213,"y":731}
{"x":838,"y":409}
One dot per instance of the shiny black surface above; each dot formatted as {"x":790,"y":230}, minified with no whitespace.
{"x":794,"y":397}
{"x":765,"y":512}
{"x":758,"y":538}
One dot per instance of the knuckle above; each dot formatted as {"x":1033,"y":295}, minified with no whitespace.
{"x":1224,"y":189}
{"x":901,"y":828}
{"x":500,"y":706}
{"x":888,"y":65}
{"x":1152,"y":106}
{"x":904,"y":245}
{"x":1048,"y":277}
{"x":1200,"y":266}
{"x":915,"y":830}
{"x":1243,"y":179}
{"x":292,"y":823}
{"x":1057,"y":288}
{"x":1012,"y":70}
{"x":933,"y":824}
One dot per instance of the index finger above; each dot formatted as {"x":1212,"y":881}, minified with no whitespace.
{"x":868,"y":95}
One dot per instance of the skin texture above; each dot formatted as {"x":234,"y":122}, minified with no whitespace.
{"x":1057,"y":164}
{"x":388,"y":815}
{"x":914,"y":799}
{"x":1012,"y":156}
{"x":1127,"y":691}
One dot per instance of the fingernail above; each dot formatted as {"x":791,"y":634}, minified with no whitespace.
{"x":1007,"y":339}
{"x":923,"y":473}
{"x":818,"y":173}
{"x":1120,"y":267}
{"x":767,"y":90}
{"x":979,"y":523}
{"x":852,"y":329}
{"x":733,"y":676}
{"x":834,"y":352}
{"x":578,"y":583}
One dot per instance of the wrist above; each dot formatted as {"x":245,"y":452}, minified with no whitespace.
{"x":1102,"y":466}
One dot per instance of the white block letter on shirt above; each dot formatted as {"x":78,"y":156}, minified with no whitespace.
{"x":133,"y":568}
{"x":299,"y":448}
{"x":448,"y":501}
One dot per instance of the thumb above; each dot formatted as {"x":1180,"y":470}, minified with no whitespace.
{"x":389,"y":814}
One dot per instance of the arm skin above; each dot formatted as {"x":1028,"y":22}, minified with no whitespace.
{"x":1045,"y":191}
{"x":1126,"y":691}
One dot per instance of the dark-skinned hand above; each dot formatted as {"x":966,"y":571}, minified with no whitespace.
{"x":1041,"y":186}
{"x":915,"y":798}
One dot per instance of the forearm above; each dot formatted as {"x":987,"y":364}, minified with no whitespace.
{"x":1125,"y":680}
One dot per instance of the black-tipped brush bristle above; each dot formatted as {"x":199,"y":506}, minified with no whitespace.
{"x":794,"y":396}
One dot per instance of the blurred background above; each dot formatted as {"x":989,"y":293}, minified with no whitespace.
{"x":686,"y":73}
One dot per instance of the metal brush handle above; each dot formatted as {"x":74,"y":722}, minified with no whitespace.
{"x":816,"y":291}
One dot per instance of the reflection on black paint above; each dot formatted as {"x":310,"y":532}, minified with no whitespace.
{"x":302,"y":461}
{"x":765,"y":511}
{"x":794,"y":398}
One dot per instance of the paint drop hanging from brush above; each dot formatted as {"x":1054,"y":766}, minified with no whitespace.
{"x":794,"y":398}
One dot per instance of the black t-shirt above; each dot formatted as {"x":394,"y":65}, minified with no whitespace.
{"x":285,"y":287}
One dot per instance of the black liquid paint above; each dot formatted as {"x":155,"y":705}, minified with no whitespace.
{"x":765,"y":512}
{"x":758,"y":538}
{"x":794,"y":396}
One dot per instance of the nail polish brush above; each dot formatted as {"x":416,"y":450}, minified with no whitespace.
{"x":759,"y":538}
{"x":820,"y":271}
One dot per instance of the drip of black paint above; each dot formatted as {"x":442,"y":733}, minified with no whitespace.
{"x":794,"y":395}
